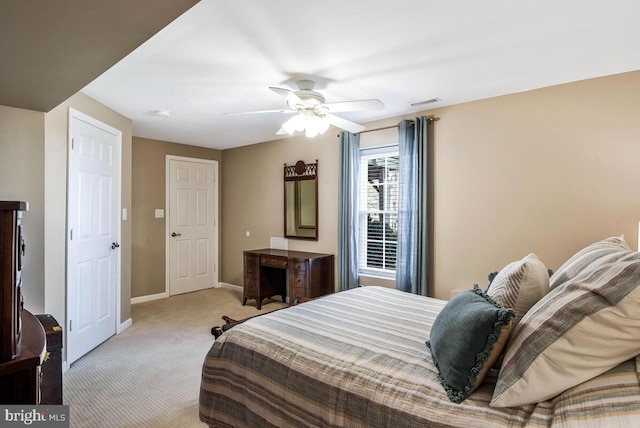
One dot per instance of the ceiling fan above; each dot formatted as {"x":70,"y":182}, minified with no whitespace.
{"x":312,"y":114}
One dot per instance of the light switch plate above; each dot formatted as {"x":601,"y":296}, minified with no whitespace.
{"x":159,"y":213}
{"x":124,"y":214}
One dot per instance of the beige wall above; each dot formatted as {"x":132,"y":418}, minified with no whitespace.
{"x":148,"y":241}
{"x":22,"y":178}
{"x":33,"y":167}
{"x":55,"y":196}
{"x":545,"y":171}
{"x":253,"y":197}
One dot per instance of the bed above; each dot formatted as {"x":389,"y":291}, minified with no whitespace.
{"x":358,"y":358}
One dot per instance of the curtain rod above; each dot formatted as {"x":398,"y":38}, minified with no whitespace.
{"x":430,"y":119}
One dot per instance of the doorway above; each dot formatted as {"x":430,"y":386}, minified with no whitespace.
{"x":191,"y":224}
{"x":93,"y":233}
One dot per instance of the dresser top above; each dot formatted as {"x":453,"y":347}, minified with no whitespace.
{"x":288,"y":254}
{"x":14,"y":206}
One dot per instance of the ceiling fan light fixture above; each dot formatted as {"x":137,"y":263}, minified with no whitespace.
{"x":295,"y":123}
{"x":316,"y":125}
{"x":310,"y":132}
{"x":289,"y":128}
{"x":324,"y":125}
{"x":312,"y":124}
{"x":312,"y":115}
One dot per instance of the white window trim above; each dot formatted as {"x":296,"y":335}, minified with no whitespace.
{"x":369,"y":152}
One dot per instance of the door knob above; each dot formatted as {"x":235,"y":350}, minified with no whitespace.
{"x":114,"y":245}
{"x":175,"y":234}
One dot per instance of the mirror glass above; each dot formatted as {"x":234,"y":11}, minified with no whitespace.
{"x":301,"y":201}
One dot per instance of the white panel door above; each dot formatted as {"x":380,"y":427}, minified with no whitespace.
{"x":93,"y":255}
{"x":192,"y":225}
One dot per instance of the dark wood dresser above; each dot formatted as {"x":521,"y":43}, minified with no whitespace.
{"x":20,"y":377}
{"x":22,"y":338}
{"x":11,"y":254}
{"x":51,"y":378}
{"x":293,"y":274}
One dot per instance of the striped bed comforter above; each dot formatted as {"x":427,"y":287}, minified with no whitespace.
{"x":358,"y":359}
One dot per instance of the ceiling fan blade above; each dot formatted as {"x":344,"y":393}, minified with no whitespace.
{"x":359,"y":105}
{"x":292,"y":98}
{"x":345,"y":124}
{"x":263,"y":111}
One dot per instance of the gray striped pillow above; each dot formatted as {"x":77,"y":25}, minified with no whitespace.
{"x":576,"y":332}
{"x":520,"y":285}
{"x":606,"y":251}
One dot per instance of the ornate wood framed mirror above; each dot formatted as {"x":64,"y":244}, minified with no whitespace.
{"x":301,"y":200}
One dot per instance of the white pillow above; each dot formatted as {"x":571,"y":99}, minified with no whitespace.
{"x":520,"y":285}
{"x":608,"y":250}
{"x":575,"y":333}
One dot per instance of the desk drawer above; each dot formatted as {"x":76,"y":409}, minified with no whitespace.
{"x":250,"y":287}
{"x":273,"y":261}
{"x":251,"y":271}
{"x":297,"y":278}
{"x":299,"y":265}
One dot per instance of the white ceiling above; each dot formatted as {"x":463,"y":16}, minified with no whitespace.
{"x":222,"y":55}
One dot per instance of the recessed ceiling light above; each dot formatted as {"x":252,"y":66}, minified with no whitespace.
{"x":421,"y":103}
{"x":161,"y":113}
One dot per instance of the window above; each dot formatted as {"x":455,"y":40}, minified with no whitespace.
{"x":378,"y":211}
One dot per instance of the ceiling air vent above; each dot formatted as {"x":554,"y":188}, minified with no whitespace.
{"x":425,"y":102}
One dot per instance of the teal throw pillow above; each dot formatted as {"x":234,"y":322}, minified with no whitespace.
{"x":467,"y":337}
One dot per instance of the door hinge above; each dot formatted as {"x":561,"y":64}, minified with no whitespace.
{"x":71,"y":234}
{"x":70,"y":325}
{"x":72,"y":143}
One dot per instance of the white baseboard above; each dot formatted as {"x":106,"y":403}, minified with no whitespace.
{"x":232,"y":286}
{"x":149,"y":298}
{"x":125,"y":325}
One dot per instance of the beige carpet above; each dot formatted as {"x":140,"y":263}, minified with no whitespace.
{"x":149,"y":375}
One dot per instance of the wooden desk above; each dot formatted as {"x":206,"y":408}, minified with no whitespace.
{"x":269,"y":272}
